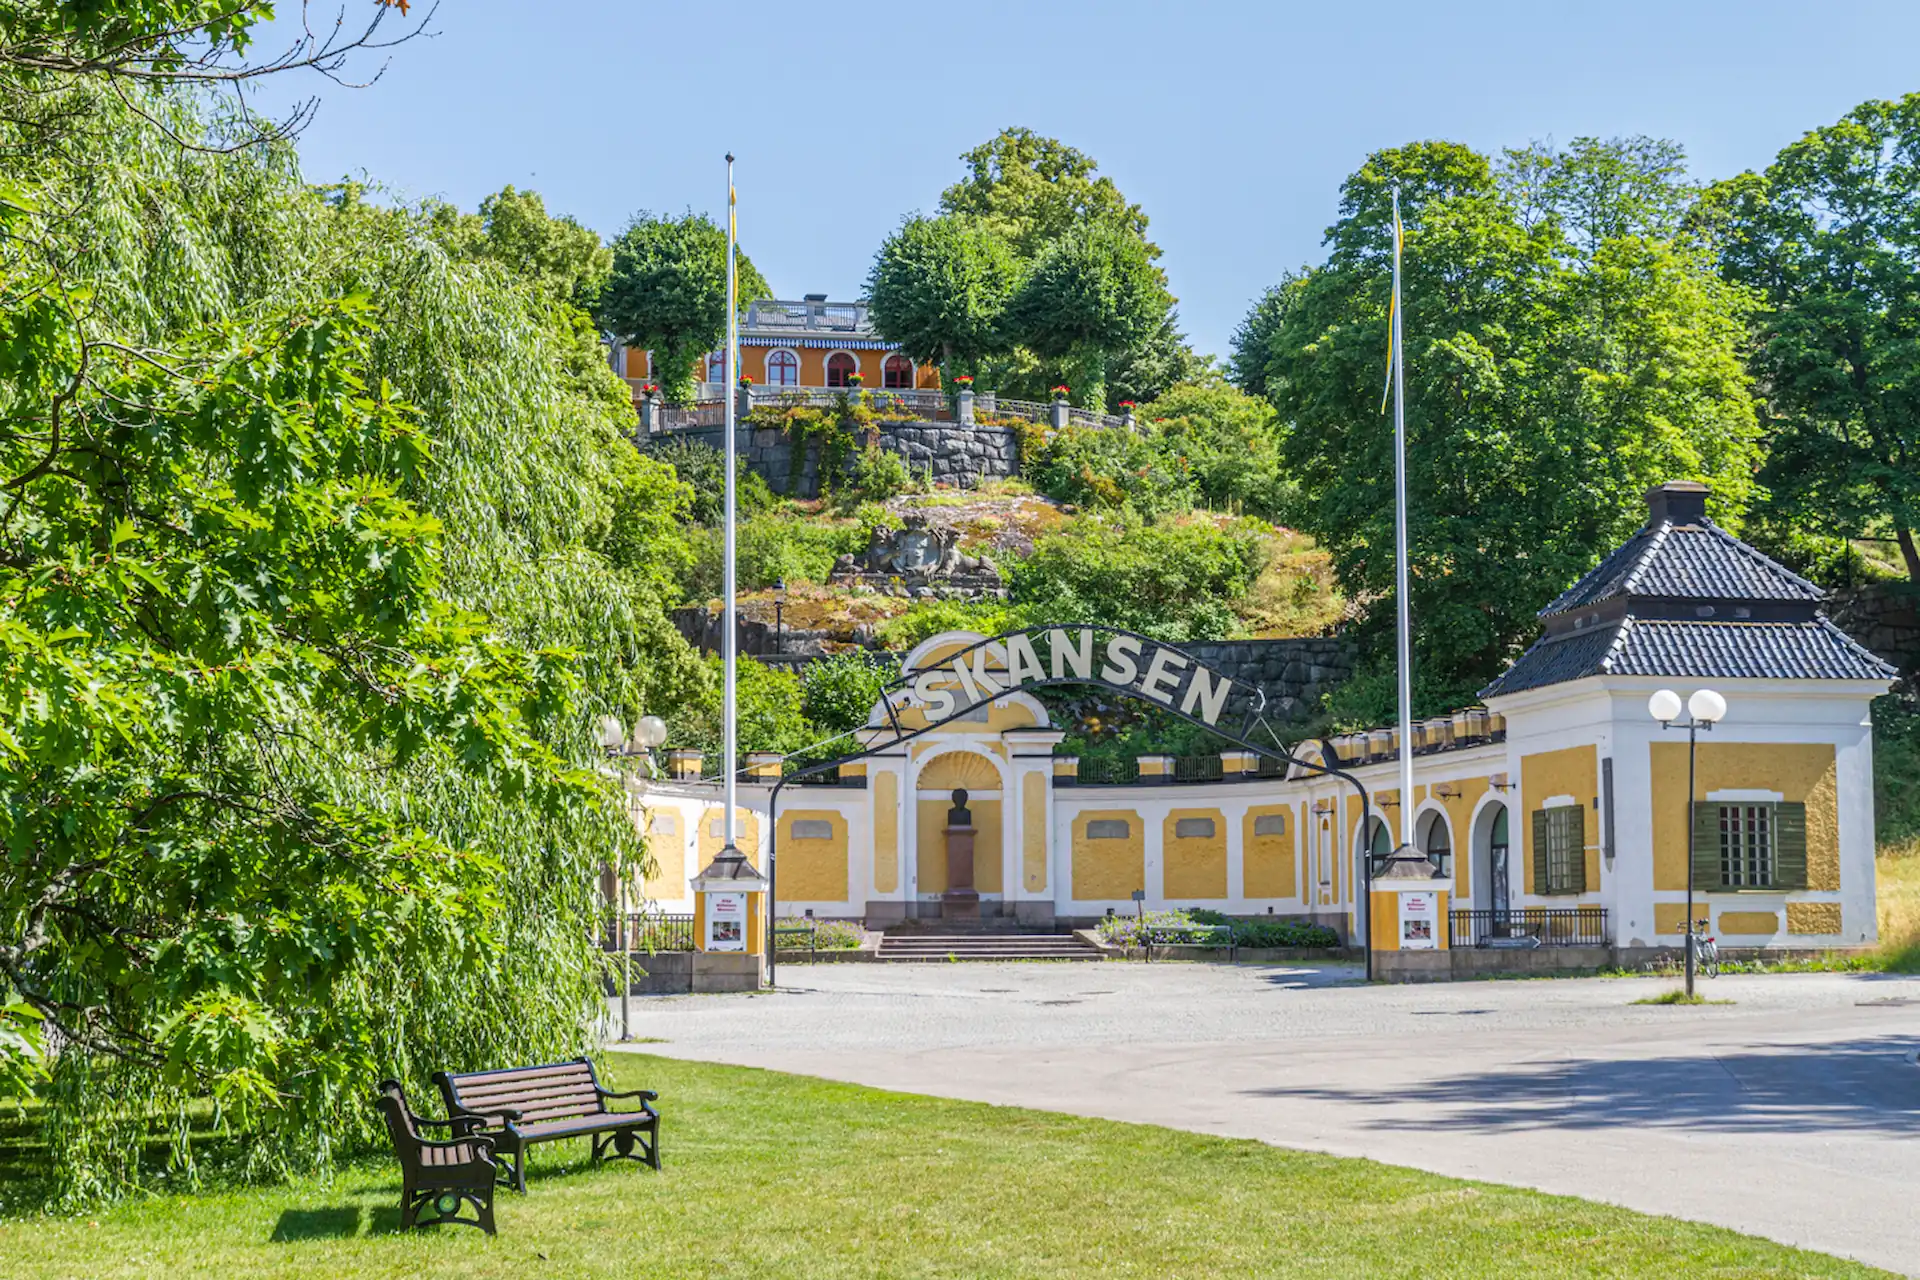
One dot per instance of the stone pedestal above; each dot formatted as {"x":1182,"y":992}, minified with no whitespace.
{"x":961,"y":901}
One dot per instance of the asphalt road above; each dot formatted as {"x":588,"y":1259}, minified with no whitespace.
{"x":1792,"y":1113}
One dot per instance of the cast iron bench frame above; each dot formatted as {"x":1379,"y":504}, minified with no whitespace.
{"x":1210,"y":936}
{"x":443,"y":1176}
{"x":521,"y":1107}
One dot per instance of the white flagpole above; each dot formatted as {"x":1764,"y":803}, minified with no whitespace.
{"x":730,"y":624}
{"x":1400,"y":543}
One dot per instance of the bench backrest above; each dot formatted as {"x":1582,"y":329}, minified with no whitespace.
{"x":392,"y":1101}
{"x":557,"y":1091}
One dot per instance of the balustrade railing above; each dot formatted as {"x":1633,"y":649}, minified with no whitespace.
{"x":1115,"y":772}
{"x":1197,"y":769}
{"x":652,"y":931}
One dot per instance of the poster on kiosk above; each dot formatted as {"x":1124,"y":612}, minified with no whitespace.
{"x":726,"y":922}
{"x":1419,"y":920}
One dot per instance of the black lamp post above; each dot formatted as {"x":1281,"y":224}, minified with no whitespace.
{"x":1704,"y":710}
{"x":779,"y":603}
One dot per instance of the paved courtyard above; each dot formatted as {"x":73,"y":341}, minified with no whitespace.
{"x":1793,"y":1113}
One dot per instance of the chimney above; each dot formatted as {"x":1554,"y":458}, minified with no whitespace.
{"x":1678,"y":502}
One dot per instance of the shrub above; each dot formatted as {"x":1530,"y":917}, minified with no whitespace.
{"x":1127,"y":931}
{"x":1108,"y":469}
{"x":702,"y":468}
{"x":769,"y":711}
{"x":1173,"y":581}
{"x":879,"y":474}
{"x":773,"y":548}
{"x":930,"y":618}
{"x":1225,"y":443}
{"x":827,"y":935}
{"x":838,"y":692}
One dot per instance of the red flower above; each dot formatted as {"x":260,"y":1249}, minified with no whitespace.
{"x":746,"y":379}
{"x":963,"y":380}
{"x":1126,"y":404}
{"x":1062,"y":389}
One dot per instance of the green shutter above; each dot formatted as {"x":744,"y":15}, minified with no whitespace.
{"x":1790,"y":845}
{"x":1540,"y":851}
{"x":1706,"y":846}
{"x":1577,"y":838}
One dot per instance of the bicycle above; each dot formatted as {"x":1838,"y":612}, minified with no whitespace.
{"x":1706,"y":955}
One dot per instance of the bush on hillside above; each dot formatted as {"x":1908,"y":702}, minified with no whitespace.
{"x":781,"y":546}
{"x":1174,"y":581}
{"x":702,"y":468}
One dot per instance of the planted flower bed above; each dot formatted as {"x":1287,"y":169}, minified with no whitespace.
{"x":1198,"y":923}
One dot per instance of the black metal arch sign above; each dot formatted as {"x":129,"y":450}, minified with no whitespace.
{"x":1049,"y":654}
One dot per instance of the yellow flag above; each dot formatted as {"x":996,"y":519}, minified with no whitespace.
{"x":733,"y":218}
{"x":1393,"y":308}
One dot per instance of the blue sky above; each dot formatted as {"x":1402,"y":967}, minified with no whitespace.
{"x":1233,"y":124}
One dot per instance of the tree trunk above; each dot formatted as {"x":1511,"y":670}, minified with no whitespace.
{"x":1910,"y":552}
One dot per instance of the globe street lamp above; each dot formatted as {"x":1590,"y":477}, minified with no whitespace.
{"x":1704,"y":710}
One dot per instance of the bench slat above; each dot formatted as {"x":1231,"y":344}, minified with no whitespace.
{"x":521,"y":1079}
{"x":524,"y":1099}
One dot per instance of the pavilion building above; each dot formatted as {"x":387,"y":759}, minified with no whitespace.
{"x":1555,"y":815}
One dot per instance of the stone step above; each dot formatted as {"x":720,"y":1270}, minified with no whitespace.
{"x":938,"y":947}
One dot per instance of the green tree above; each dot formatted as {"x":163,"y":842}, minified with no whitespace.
{"x":1030,"y":190}
{"x":1227,"y":441}
{"x":667,"y":293}
{"x":1093,"y":293}
{"x":1547,"y":387}
{"x":1154,"y":363}
{"x":1600,"y":190}
{"x":940,"y":287}
{"x":1251,"y":345}
{"x":563,"y":259}
{"x":1829,"y":237}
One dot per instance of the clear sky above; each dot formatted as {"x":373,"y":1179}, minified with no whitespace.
{"x":1233,"y":124}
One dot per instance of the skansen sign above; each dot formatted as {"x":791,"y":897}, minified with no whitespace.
{"x":1119,"y":660}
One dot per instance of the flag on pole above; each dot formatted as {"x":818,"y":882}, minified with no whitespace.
{"x":1393,"y":309}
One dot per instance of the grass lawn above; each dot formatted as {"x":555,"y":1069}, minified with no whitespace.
{"x":803,"y":1179}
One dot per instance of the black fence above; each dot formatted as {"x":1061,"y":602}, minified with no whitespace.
{"x":1113,"y":771}
{"x":1529,"y":927}
{"x":1197,"y":769}
{"x":652,"y":932}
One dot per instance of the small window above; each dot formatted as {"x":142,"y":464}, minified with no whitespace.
{"x":840,"y":369}
{"x":1566,"y":850}
{"x":665,"y":824}
{"x":1193,"y":829}
{"x":812,"y":829}
{"x":896,"y":374}
{"x":1270,"y":824}
{"x":1109,"y":829}
{"x":716,"y":366}
{"x":1746,"y":846}
{"x":783,"y":370}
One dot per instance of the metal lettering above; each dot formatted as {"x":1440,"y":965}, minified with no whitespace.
{"x":1021,"y":659}
{"x":1163,"y":670}
{"x":1076,"y":653}
{"x":1211,"y":693}
{"x":1123,"y":665}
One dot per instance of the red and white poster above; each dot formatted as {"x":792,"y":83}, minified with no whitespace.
{"x":726,"y":922}
{"x":1419,"y":921}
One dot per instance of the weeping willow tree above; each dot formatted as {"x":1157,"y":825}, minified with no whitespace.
{"x":321,"y":554}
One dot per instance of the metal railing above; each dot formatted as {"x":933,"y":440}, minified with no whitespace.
{"x":704,"y":414}
{"x":1197,"y":769}
{"x":1528,"y":926}
{"x":652,"y":931}
{"x":1116,"y":772}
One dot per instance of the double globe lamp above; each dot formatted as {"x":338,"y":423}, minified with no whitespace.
{"x":1704,"y":710}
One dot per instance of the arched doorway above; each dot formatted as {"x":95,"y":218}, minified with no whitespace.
{"x":1492,"y":877}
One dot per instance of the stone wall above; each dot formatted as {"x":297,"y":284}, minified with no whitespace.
{"x":1294,"y":673}
{"x":961,"y":455}
{"x":1885,"y":617}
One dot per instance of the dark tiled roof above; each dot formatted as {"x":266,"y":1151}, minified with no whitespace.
{"x":1686,"y":562}
{"x":1813,"y":650}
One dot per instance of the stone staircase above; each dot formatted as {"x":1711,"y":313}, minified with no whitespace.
{"x":908,"y":946}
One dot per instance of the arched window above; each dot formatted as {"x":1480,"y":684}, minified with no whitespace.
{"x":896,"y":373}
{"x":1381,"y":842}
{"x":716,"y":366}
{"x":783,"y":369}
{"x":1439,"y":845}
{"x":841,"y":367}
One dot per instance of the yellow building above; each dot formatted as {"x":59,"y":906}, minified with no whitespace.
{"x":1557,"y":814}
{"x":812,"y":344}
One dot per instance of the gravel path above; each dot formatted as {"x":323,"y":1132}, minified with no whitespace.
{"x":1792,"y":1113}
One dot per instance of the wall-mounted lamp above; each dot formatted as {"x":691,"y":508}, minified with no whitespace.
{"x":1500,"y":782}
{"x":1447,"y":791}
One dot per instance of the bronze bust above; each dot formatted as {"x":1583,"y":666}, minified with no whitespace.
{"x":958,"y":815}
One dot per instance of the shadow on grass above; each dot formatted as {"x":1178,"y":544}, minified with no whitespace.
{"x":1854,"y":1086}
{"x":333,"y":1222}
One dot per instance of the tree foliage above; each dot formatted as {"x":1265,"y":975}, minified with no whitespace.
{"x":1092,"y":293}
{"x":1829,"y":237}
{"x":1030,"y":190}
{"x":667,"y":293}
{"x":320,"y":554}
{"x":940,"y":287}
{"x":1548,"y":384}
{"x":561,"y":258}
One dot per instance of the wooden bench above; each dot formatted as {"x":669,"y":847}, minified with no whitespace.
{"x":443,"y":1176}
{"x":522,"y":1106}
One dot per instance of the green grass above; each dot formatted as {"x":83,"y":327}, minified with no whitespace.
{"x":792,"y":1177}
{"x":1679,"y":996}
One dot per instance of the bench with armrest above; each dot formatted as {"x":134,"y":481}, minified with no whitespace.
{"x":520,"y":1107}
{"x":442,"y":1176}
{"x":1212,"y":937}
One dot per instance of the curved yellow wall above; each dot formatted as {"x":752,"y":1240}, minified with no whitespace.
{"x":1195,"y":867}
{"x":1108,"y":868}
{"x":813,"y":870}
{"x":746,"y":828}
{"x":1267,"y":863}
{"x":932,"y":854}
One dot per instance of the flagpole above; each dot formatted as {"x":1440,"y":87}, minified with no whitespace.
{"x":730,"y":624}
{"x":1400,"y":543}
